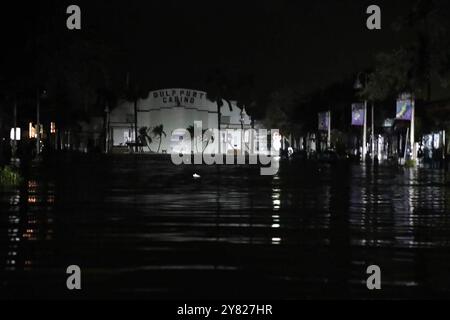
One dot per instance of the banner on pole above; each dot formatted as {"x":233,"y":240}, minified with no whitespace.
{"x":358,"y":114}
{"x":324,"y":121}
{"x":404,"y":109}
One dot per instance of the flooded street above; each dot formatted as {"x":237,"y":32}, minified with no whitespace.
{"x":140,"y":227}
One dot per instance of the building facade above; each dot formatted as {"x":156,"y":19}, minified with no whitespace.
{"x":174,"y":111}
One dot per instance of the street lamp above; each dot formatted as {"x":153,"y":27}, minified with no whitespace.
{"x":359,"y":86}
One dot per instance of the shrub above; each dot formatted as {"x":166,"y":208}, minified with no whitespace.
{"x":9,"y":177}
{"x":410,"y":163}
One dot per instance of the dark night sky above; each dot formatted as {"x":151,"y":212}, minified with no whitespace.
{"x":175,"y":43}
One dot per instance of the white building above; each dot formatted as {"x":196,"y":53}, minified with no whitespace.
{"x":176,"y":110}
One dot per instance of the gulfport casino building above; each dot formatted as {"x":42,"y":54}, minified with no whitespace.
{"x":176,"y":110}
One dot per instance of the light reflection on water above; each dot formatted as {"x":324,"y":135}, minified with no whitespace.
{"x":309,"y":231}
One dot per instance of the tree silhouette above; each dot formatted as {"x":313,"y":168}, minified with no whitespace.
{"x":144,"y":137}
{"x":158,"y":131}
{"x":413,"y":66}
{"x":205,"y":137}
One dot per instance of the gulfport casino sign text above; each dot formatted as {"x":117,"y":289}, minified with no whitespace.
{"x":179,"y":97}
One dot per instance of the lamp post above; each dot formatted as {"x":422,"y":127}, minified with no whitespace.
{"x":242,"y":120}
{"x":407,"y":101}
{"x":412,"y":131}
{"x":14,"y":147}
{"x":373,"y":132}
{"x":329,"y":131}
{"x":39,"y":94}
{"x":359,"y":86}
{"x":136,"y":138}
{"x":107,"y":136}
{"x":38,"y":122}
{"x":444,"y":146}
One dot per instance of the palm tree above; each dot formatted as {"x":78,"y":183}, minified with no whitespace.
{"x":207,"y":139}
{"x":144,"y":137}
{"x":216,"y":90}
{"x":133,"y":93}
{"x":158,"y":131}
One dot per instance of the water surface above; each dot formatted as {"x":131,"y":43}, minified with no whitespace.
{"x":141,"y":227}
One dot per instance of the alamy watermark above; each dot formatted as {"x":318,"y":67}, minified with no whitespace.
{"x":374,"y":280}
{"x":374,"y":20}
{"x":73,"y":21}
{"x":73,"y":282}
{"x":211,"y":146}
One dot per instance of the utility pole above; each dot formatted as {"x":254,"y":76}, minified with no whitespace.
{"x":14,"y":147}
{"x":329,"y":131}
{"x":413,"y":138}
{"x":444,"y":153}
{"x":136,"y":124}
{"x":373,"y":134}
{"x":133,"y":93}
{"x":364,"y":147}
{"x":219,"y":120}
{"x":359,"y":86}
{"x":242,"y":120}
{"x":107,"y":137}
{"x":38,"y":123}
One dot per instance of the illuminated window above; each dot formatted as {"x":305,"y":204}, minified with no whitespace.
{"x":15,"y":134}
{"x":32,"y":131}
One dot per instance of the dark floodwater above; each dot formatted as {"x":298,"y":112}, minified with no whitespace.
{"x":141,"y":227}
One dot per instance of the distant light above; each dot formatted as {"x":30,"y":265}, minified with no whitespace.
{"x":276,"y":240}
{"x":32,"y":199}
{"x":276,"y":143}
{"x":358,"y":85}
{"x":52,"y":127}
{"x":18,"y":133}
{"x":31,"y":131}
